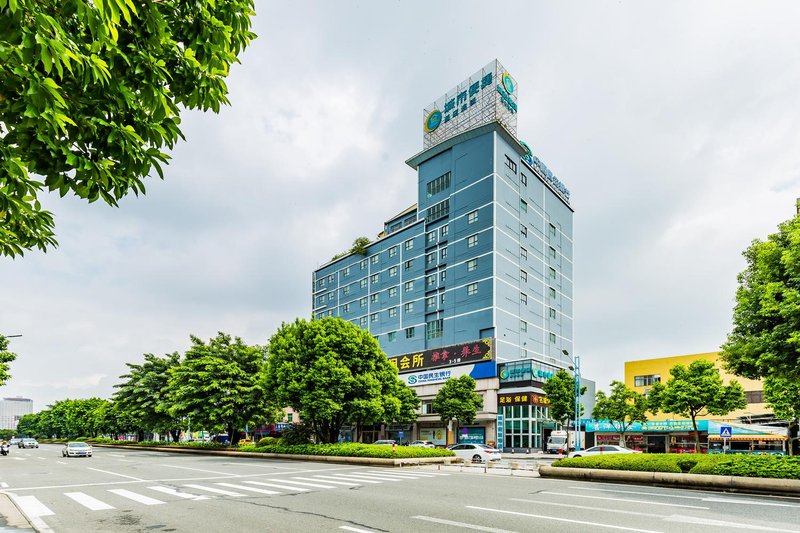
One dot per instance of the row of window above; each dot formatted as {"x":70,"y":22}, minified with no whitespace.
{"x":433,"y":330}
{"x":438,"y":185}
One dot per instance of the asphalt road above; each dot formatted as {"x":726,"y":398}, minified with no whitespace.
{"x":128,"y":490}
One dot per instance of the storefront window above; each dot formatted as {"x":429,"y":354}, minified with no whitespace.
{"x":523,"y":426}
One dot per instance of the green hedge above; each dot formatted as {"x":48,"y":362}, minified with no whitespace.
{"x":768,"y":466}
{"x":352,"y":449}
{"x":771,"y":466}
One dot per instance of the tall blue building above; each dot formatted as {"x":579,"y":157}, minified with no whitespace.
{"x":476,"y":277}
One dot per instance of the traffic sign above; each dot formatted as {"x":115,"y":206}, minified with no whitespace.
{"x":725,"y":432}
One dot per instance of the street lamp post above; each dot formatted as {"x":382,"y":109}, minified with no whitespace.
{"x":576,"y":368}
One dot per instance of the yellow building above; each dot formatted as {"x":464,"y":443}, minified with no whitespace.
{"x":640,"y":376}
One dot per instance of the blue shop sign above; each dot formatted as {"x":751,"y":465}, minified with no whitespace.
{"x":473,"y":435}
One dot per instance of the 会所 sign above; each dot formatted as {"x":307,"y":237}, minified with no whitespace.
{"x":458,"y":354}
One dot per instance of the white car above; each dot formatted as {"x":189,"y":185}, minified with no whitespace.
{"x":76,"y":449}
{"x":476,"y":453}
{"x":605,"y":449}
{"x":385,"y":442}
{"x":423,"y":444}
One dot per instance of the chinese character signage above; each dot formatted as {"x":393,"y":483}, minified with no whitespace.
{"x":488,"y":95}
{"x":459,"y":354}
{"x":522,"y":398}
{"x":485,"y":369}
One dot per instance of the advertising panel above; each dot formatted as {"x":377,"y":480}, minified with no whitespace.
{"x":458,"y":354}
{"x":426,"y":377}
{"x":488,"y":95}
{"x":472,"y":435}
{"x":522,"y":398}
{"x":437,"y":436}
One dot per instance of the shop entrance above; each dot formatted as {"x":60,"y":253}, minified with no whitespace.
{"x":656,"y":444}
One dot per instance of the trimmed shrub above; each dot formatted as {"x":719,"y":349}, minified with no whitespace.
{"x":297,"y":434}
{"x":633,"y":462}
{"x":267,"y":441}
{"x":353,"y":449}
{"x":768,"y":466}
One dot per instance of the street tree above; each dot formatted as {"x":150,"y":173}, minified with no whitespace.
{"x":623,"y":407}
{"x":333,"y":373}
{"x":91,"y":94}
{"x":457,"y":400}
{"x":219,"y":385}
{"x":783,"y":397}
{"x":143,"y":394}
{"x":765,"y":339}
{"x":6,"y":357}
{"x":695,"y":391}
{"x":560,"y":390}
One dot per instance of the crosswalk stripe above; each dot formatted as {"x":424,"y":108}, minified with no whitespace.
{"x":93,"y":504}
{"x":19,"y":458}
{"x":347,"y":483}
{"x":375,"y":476}
{"x":318,"y":485}
{"x":393,"y":474}
{"x":251,"y":489}
{"x":177,"y":493}
{"x":349,"y":478}
{"x":277,"y":486}
{"x":141,"y":498}
{"x":215,"y":491}
{"x":31,"y":506}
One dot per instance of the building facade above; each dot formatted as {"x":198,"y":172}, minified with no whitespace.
{"x":12,"y":409}
{"x":476,"y":277}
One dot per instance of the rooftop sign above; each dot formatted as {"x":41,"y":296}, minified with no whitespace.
{"x":488,"y":95}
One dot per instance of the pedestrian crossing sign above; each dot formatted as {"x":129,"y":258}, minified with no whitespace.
{"x":725,"y":432}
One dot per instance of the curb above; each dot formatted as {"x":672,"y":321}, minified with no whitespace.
{"x":13,"y":516}
{"x":377,"y":461}
{"x":758,"y":485}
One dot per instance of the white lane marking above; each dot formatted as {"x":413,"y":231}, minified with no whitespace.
{"x":568,"y":520}
{"x":19,"y":458}
{"x":623,"y":500}
{"x":93,"y":504}
{"x":141,"y":498}
{"x":277,"y":486}
{"x":660,"y":494}
{"x":315,"y":485}
{"x":346,"y":483}
{"x":344,"y":477}
{"x":264,"y":466}
{"x":251,"y":489}
{"x":215,"y":491}
{"x":603,"y":509}
{"x":200,"y":470}
{"x":3,"y":485}
{"x":177,"y":493}
{"x":31,"y":506}
{"x":721,"y":523}
{"x":61,"y":462}
{"x":463,"y":525}
{"x":401,"y":476}
{"x":355,"y":529}
{"x":116,"y":474}
{"x":748,"y":502}
{"x":42,"y":458}
{"x":372,"y":476}
{"x":117,"y":455}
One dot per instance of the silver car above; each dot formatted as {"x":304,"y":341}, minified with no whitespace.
{"x":605,"y":449}
{"x":76,"y":449}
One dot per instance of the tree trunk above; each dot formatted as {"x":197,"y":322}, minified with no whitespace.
{"x":175,"y":434}
{"x":696,"y":434}
{"x":140,"y":435}
{"x":794,"y":441}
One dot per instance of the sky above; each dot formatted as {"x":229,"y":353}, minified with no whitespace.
{"x":675,"y":125}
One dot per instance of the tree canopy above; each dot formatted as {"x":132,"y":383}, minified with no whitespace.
{"x":6,"y":357}
{"x":622,"y":408}
{"x":333,"y":373}
{"x":143,"y":394}
{"x":90,"y":94}
{"x":220,"y":385}
{"x":458,"y":400}
{"x":697,"y":390}
{"x":765,"y":339}
{"x":560,"y":390}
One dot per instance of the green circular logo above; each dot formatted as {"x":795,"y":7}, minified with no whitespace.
{"x":504,"y":374}
{"x":433,"y":120}
{"x":508,"y":83}
{"x":527,"y":148}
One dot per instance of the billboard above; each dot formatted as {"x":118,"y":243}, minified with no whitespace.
{"x":457,"y":354}
{"x":488,"y":95}
{"x":426,"y":377}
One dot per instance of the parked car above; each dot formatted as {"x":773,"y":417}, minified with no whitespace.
{"x":605,"y":449}
{"x":28,"y":443}
{"x":423,"y":444}
{"x":76,"y":449}
{"x":385,"y":442}
{"x":476,"y":453}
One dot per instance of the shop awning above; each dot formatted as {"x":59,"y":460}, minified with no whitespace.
{"x":748,"y":437}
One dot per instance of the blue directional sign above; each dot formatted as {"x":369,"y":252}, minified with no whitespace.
{"x":725,"y":432}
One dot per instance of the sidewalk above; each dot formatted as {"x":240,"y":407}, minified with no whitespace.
{"x":533,"y":456}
